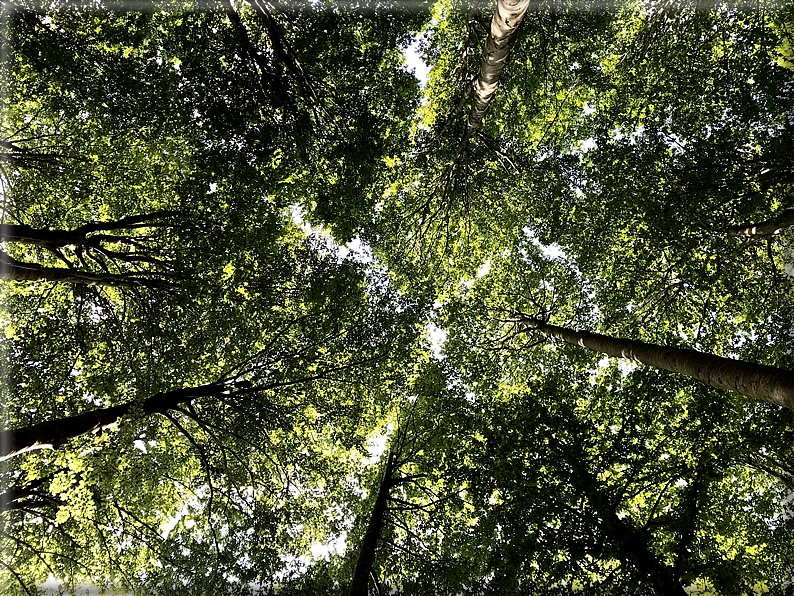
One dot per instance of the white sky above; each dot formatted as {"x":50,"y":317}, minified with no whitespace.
{"x":414,"y":62}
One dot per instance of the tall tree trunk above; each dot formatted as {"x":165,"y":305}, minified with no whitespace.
{"x":54,"y":433}
{"x":761,"y":382}
{"x":504,"y":25}
{"x":14,"y":270}
{"x":270,"y":80}
{"x":765,"y":229}
{"x":53,"y":239}
{"x":85,"y":241}
{"x":366,"y":553}
{"x":509,"y":560}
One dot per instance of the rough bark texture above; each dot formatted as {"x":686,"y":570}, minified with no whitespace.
{"x":366,"y":554}
{"x":504,"y":25}
{"x":761,"y":382}
{"x":765,"y":229}
{"x":54,"y":433}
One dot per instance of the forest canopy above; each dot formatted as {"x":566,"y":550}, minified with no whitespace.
{"x":281,"y":318}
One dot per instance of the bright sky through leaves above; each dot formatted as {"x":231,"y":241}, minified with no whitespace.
{"x":414,"y":61}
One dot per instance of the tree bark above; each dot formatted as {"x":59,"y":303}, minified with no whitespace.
{"x":14,"y":270}
{"x":765,"y":229}
{"x":54,"y":433}
{"x":504,"y":25}
{"x":84,"y":240}
{"x":366,"y":553}
{"x":270,"y":80}
{"x":52,"y":239}
{"x":30,"y":496}
{"x":758,"y":381}
{"x":30,"y":158}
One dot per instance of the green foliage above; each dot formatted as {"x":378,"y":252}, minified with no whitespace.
{"x":624,"y":145}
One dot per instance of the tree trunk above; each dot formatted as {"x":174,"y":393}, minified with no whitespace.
{"x":53,"y":239}
{"x":14,"y":270}
{"x":366,"y":554}
{"x":504,"y":25}
{"x":83,"y":242}
{"x":270,"y":80}
{"x":765,"y":229}
{"x":282,"y":48}
{"x":624,"y":540}
{"x":27,"y":157}
{"x":30,"y":496}
{"x":25,"y":234}
{"x":761,"y":382}
{"x":54,"y":433}
{"x":627,"y":542}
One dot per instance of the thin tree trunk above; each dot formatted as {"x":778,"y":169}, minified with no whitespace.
{"x":269,"y":78}
{"x":54,"y":433}
{"x":509,"y":562}
{"x":765,"y":229}
{"x":631,"y":545}
{"x":504,"y":25}
{"x":85,"y":240}
{"x":366,"y":553}
{"x":758,"y":381}
{"x":25,"y":157}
